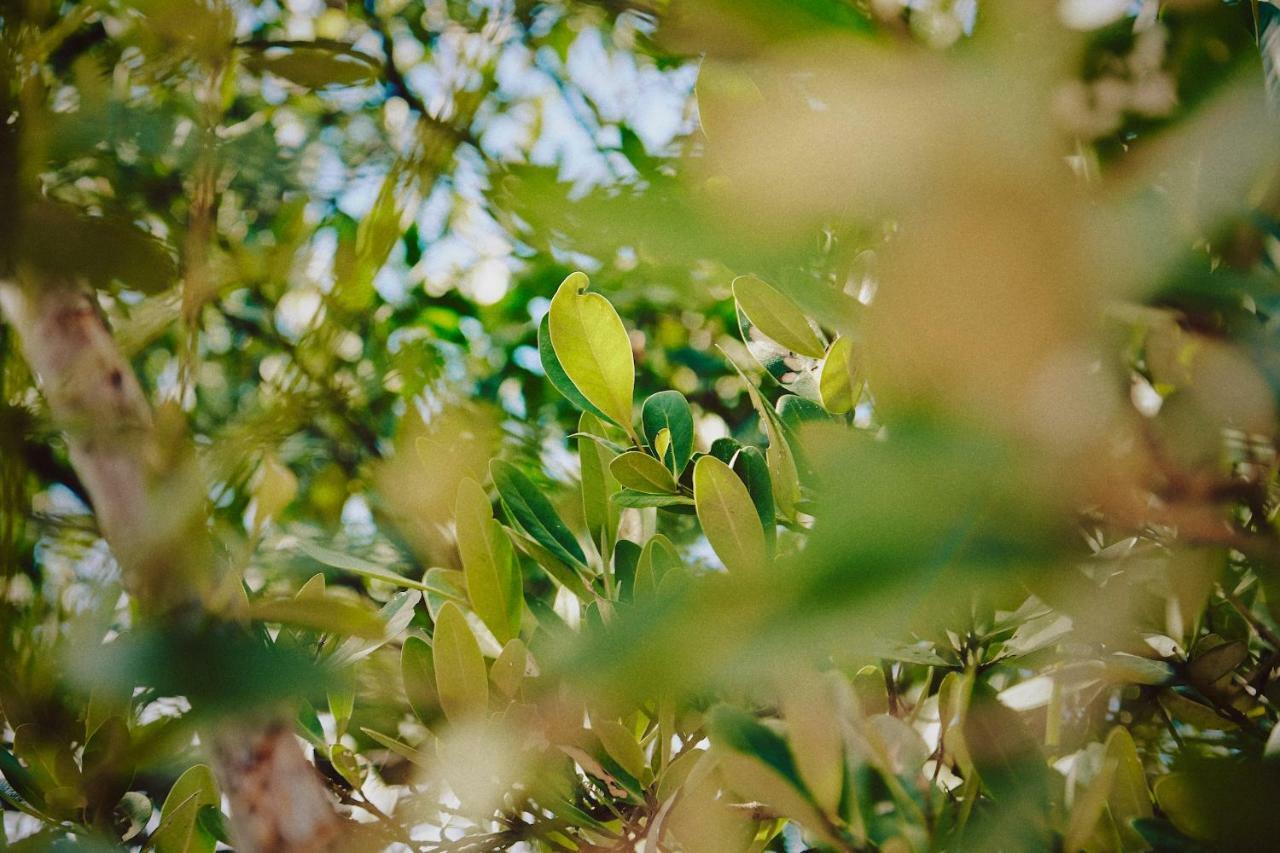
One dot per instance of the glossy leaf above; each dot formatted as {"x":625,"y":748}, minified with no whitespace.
{"x":529,"y":509}
{"x":836,"y":383}
{"x":556,"y":375}
{"x":776,"y":316}
{"x":640,"y":472}
{"x":728,"y":516}
{"x":669,"y":410}
{"x":753,"y":469}
{"x":644,"y":500}
{"x":593,"y":347}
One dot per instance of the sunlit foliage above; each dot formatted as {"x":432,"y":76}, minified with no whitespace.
{"x":682,"y":425}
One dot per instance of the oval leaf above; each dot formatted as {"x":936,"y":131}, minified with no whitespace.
{"x":639,"y":471}
{"x":461,"y":680}
{"x":592,"y":345}
{"x":179,"y":830}
{"x":488,"y":562}
{"x":728,"y":516}
{"x":554,"y":370}
{"x":776,"y":316}
{"x":669,"y":410}
{"x":836,"y":384}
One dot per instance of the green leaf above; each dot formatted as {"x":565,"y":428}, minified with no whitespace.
{"x":1088,"y":808}
{"x":794,"y":412}
{"x":489,"y":563}
{"x":1213,"y":660}
{"x":776,"y":316}
{"x":133,"y":811}
{"x":593,"y":347}
{"x":1129,"y":799}
{"x":357,"y":566}
{"x":1193,"y":713}
{"x":836,"y":382}
{"x":657,"y":558}
{"x":461,"y":680}
{"x":621,"y":745}
{"x":315,"y":65}
{"x":1165,"y":837}
{"x":325,"y":614}
{"x":598,"y":486}
{"x":418,"y":673}
{"x":414,"y":756}
{"x":728,"y":516}
{"x":347,"y":764}
{"x":758,"y":764}
{"x":559,"y":380}
{"x":342,"y":704}
{"x":1132,"y":669}
{"x":561,"y":572}
{"x":21,"y":779}
{"x":529,"y":509}
{"x":107,"y":252}
{"x":640,"y":472}
{"x":395,"y":616}
{"x":212,"y":821}
{"x":507,"y":672}
{"x":751,"y":466}
{"x":643,"y":500}
{"x":782,"y":463}
{"x":179,"y":830}
{"x":443,"y":585}
{"x":737,"y":730}
{"x":1007,"y":756}
{"x":669,"y":410}
{"x":107,"y":765}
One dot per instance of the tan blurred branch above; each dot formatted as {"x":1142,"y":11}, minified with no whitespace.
{"x":150,"y":508}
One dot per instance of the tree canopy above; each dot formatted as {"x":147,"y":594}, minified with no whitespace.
{"x":692,"y":425}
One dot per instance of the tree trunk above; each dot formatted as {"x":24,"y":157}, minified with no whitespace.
{"x":150,"y":506}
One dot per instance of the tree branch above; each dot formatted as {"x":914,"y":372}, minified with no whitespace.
{"x":150,"y":505}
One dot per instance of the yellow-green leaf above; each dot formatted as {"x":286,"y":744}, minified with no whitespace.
{"x":637,"y":470}
{"x":728,"y":516}
{"x":837,"y":383}
{"x":776,"y":316}
{"x":507,"y":672}
{"x":621,"y":745}
{"x":319,"y":613}
{"x":461,"y":680}
{"x":488,"y":562}
{"x":417,"y":671}
{"x":592,"y":345}
{"x":598,"y":485}
{"x":179,"y":831}
{"x":1129,"y":799}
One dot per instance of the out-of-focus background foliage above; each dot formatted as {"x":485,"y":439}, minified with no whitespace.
{"x":962,"y":533}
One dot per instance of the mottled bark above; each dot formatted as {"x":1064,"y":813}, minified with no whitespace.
{"x":149,"y":503}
